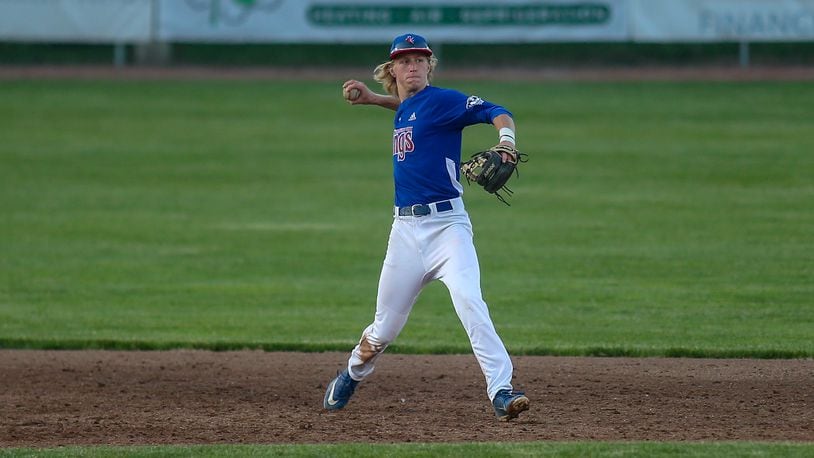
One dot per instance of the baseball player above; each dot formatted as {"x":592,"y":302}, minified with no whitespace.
{"x":431,"y":235}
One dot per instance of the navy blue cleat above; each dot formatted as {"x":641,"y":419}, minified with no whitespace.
{"x":339,"y":391}
{"x":509,"y":404}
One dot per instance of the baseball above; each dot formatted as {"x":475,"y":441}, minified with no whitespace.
{"x":353,"y":94}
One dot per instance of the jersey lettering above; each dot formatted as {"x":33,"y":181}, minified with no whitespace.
{"x":403,"y":142}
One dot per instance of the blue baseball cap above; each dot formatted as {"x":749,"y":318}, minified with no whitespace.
{"x":409,"y":42}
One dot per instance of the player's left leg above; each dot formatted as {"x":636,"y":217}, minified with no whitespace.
{"x":461,"y":274}
{"x":454,"y":253}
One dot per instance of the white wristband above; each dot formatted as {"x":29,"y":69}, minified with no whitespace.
{"x":506,"y":135}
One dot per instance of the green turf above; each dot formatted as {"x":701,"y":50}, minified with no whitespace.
{"x":652,"y":219}
{"x":531,"y":449}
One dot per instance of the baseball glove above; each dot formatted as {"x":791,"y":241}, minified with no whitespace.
{"x":487,"y":169}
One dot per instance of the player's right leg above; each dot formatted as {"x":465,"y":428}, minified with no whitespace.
{"x":401,"y":280}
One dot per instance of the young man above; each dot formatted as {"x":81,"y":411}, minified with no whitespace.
{"x":431,"y":236}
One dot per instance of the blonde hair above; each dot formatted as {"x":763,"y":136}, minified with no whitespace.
{"x":382,"y":75}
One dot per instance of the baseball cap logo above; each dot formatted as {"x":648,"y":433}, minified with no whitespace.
{"x":409,"y":42}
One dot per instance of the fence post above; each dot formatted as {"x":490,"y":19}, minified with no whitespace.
{"x":155,"y":51}
{"x":119,"y":55}
{"x":743,"y":54}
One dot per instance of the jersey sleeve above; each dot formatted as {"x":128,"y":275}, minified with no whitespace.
{"x":460,"y":110}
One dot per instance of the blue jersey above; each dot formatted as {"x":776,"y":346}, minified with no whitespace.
{"x":427,"y":136}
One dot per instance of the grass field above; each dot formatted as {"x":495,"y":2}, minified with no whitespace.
{"x":652,"y":219}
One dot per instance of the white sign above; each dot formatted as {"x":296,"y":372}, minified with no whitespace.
{"x":378,"y":21}
{"x":104,"y":21}
{"x":722,"y":20}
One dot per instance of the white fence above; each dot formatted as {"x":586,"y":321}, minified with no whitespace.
{"x":376,"y":21}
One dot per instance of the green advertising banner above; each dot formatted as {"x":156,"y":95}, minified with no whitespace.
{"x":379,"y":21}
{"x":470,"y":15}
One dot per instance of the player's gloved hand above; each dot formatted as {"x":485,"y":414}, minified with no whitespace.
{"x":493,"y":168}
{"x":507,"y":152}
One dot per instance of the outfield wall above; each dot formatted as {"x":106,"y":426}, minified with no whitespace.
{"x":375,"y":21}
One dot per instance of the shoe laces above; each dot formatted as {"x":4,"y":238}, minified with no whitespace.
{"x":512,"y":393}
{"x":507,"y":395}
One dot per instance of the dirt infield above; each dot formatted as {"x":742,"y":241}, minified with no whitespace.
{"x":53,"y":398}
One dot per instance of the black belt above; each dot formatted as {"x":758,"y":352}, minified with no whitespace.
{"x":425,"y":209}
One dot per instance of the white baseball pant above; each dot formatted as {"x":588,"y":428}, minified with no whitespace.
{"x":422,"y":249}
